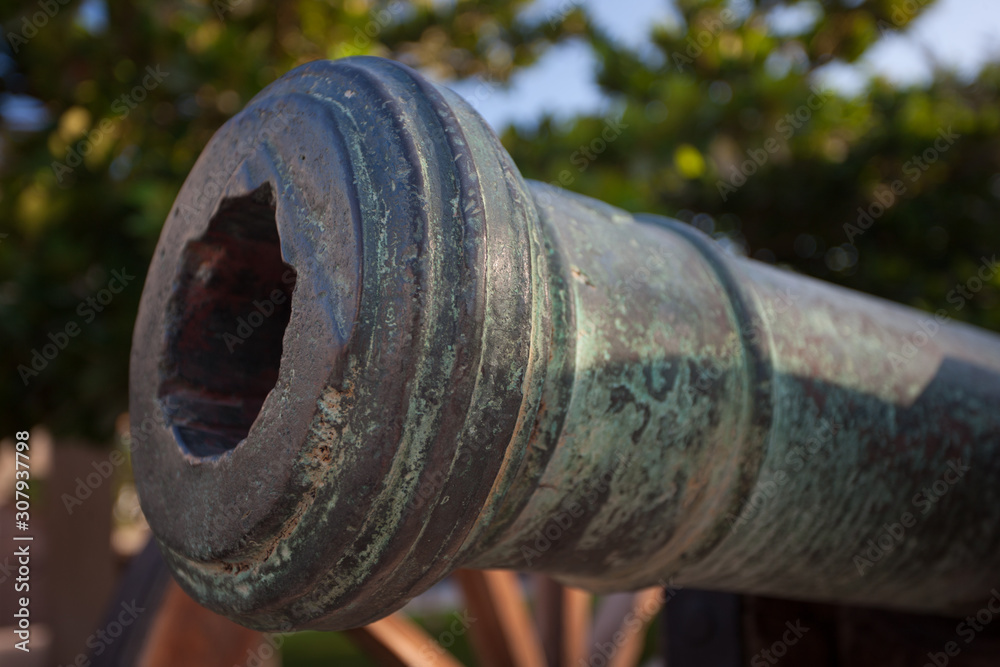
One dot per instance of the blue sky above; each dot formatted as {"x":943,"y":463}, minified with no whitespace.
{"x":958,"y":34}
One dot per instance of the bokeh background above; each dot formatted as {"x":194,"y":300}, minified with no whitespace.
{"x":772,"y":125}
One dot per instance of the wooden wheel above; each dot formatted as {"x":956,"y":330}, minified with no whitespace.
{"x":563,"y":628}
{"x":564,"y":631}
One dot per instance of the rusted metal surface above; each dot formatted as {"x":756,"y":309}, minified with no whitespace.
{"x":459,"y":368}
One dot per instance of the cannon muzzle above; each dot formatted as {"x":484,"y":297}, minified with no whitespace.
{"x":369,"y":352}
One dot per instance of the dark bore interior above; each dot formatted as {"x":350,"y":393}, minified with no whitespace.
{"x":226,"y":321}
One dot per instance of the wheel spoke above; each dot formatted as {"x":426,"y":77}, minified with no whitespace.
{"x":620,"y":626}
{"x":396,"y":641}
{"x":503,"y":632}
{"x":564,"y":616}
{"x":185,"y":633}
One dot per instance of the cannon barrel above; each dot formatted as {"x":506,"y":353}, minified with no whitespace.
{"x":369,"y":353}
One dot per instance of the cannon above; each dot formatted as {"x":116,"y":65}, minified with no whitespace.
{"x":368,"y":352}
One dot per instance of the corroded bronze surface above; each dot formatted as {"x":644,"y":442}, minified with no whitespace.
{"x":369,"y":352}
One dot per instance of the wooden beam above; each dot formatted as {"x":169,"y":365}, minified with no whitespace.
{"x":396,"y":641}
{"x":620,"y":629}
{"x":185,"y":633}
{"x":576,"y":622}
{"x":564,"y":620}
{"x":503,"y":632}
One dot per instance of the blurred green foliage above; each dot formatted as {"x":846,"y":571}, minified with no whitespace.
{"x":70,"y":226}
{"x":708,"y":116}
{"x":690,"y":121}
{"x":319,"y":649}
{"x":715,"y":92}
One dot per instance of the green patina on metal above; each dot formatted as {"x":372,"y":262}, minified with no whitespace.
{"x":479,"y":371}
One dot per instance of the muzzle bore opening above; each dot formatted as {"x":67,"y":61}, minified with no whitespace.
{"x":225,"y":325}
